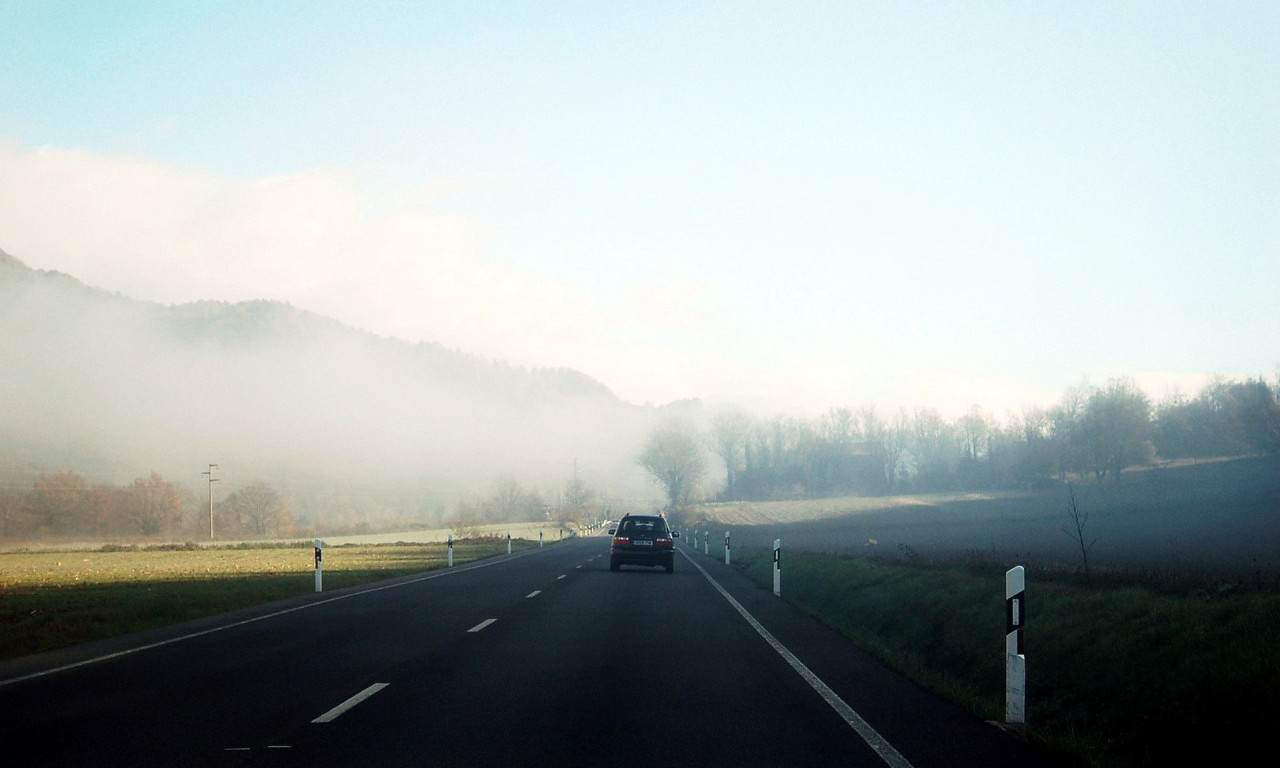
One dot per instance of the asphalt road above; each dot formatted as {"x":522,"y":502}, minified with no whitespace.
{"x":540,"y":658}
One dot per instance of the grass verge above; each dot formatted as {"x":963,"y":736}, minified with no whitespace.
{"x":1120,"y":672}
{"x":53,"y":600}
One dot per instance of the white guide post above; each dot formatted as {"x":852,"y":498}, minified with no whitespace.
{"x":777,"y":567}
{"x":706,"y":542}
{"x":451,"y":550}
{"x":1015,"y":589}
{"x":319,"y":564}
{"x":539,"y":539}
{"x":726,"y":547}
{"x":508,"y":542}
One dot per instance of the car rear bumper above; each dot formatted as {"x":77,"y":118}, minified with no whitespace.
{"x":663,"y":557}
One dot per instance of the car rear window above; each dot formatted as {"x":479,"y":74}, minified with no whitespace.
{"x":643,"y":525}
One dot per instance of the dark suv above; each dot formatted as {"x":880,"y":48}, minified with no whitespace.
{"x":642,"y":540}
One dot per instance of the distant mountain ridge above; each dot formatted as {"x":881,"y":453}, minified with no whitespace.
{"x":262,"y":320}
{"x":99,"y":382}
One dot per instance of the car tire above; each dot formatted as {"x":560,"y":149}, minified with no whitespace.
{"x":613,"y":564}
{"x":671,"y":567}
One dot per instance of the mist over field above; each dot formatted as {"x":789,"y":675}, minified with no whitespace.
{"x":117,"y":408}
{"x":348,"y":425}
{"x":1210,"y":515}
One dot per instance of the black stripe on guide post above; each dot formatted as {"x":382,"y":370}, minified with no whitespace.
{"x":1015,"y":616}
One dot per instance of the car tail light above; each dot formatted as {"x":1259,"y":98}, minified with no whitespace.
{"x":663,"y":542}
{"x":621,"y":541}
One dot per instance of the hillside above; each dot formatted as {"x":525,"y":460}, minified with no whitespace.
{"x":334,"y":416}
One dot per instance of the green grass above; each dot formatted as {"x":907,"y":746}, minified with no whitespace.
{"x":1120,"y":672}
{"x":52,"y":600}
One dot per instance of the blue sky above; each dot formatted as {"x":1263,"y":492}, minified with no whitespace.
{"x":791,"y":206}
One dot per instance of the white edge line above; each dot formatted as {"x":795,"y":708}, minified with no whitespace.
{"x":129,"y":651}
{"x":878,"y":743}
{"x":334,"y":713}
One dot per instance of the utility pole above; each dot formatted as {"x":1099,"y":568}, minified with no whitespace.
{"x":212,"y":480}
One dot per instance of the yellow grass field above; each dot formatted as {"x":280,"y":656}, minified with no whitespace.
{"x":52,"y":599}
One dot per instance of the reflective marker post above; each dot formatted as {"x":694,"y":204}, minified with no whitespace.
{"x":508,"y":542}
{"x":726,"y":547}
{"x":451,"y":550}
{"x":539,"y":539}
{"x":777,"y":566}
{"x":319,"y":563}
{"x":1015,"y":589}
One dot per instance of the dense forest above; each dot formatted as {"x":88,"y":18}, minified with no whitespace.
{"x":1094,"y":432}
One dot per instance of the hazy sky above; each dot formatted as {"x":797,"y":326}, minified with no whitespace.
{"x":788,"y":205}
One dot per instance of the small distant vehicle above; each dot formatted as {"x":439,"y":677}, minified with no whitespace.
{"x":642,"y":540}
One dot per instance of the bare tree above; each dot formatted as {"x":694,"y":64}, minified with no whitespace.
{"x":673,"y":457}
{"x":893,"y":446}
{"x":1079,"y":518}
{"x":578,"y":499}
{"x":10,"y":503}
{"x":510,"y":502}
{"x":256,"y":509}
{"x":56,"y":503}
{"x":150,"y":506}
{"x":933,"y":446}
{"x":730,"y":430}
{"x":1116,"y":428}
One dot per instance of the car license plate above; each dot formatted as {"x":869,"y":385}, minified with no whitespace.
{"x":643,"y":543}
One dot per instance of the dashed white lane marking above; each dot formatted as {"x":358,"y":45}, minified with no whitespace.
{"x":337,"y":711}
{"x":223,"y":627}
{"x":561,"y":576}
{"x":482,"y":625}
{"x":534,"y":593}
{"x":878,"y":743}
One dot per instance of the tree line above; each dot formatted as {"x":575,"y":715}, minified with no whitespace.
{"x":511,"y":502}
{"x":65,"y":505}
{"x":1095,"y":432}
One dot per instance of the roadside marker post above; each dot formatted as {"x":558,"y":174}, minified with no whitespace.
{"x":1015,"y":589}
{"x":508,"y":542}
{"x":706,"y":542}
{"x":539,"y":539}
{"x":451,"y":550}
{"x":777,"y":567}
{"x":726,"y":547}
{"x":319,"y":564}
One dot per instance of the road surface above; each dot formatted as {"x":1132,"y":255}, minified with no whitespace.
{"x":539,"y":658}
